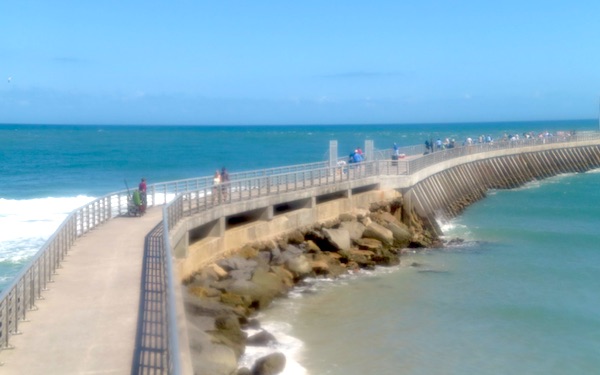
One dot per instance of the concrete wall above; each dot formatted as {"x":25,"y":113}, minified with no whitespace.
{"x":199,"y":245}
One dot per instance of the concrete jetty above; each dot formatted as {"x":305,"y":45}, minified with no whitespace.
{"x":89,"y":320}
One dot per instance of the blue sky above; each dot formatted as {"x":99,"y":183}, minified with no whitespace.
{"x":297,"y":62}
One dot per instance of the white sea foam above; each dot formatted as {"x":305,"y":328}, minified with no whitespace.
{"x":286,"y":344}
{"x":30,"y":222}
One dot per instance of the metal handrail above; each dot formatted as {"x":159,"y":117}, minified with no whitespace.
{"x":190,"y":196}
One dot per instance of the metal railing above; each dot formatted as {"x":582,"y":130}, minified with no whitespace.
{"x":187,"y":197}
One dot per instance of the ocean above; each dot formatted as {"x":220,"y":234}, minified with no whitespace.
{"x":519,"y":295}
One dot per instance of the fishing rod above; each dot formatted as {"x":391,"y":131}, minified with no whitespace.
{"x":127,"y":186}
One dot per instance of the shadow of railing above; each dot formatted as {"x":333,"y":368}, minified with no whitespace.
{"x":151,"y":344}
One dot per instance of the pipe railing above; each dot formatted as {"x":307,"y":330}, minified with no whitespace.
{"x":191,"y":196}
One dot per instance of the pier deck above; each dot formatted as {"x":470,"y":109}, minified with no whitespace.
{"x":89,"y":325}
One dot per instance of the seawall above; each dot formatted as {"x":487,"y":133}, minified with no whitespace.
{"x":447,"y":192}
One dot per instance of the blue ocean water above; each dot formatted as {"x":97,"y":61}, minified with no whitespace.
{"x":518,"y":297}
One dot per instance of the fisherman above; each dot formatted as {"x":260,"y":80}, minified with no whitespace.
{"x":142,"y":192}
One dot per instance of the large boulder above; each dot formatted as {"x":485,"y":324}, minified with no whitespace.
{"x":354,"y":228}
{"x":339,"y":238}
{"x":229,"y":333}
{"x":401,"y":233}
{"x":271,"y":364}
{"x":299,"y":266}
{"x":380,"y":233}
{"x":262,"y":338}
{"x":270,"y":282}
{"x":328,"y":264}
{"x":209,"y":358}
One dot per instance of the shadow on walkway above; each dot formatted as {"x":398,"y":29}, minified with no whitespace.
{"x":150,"y":355}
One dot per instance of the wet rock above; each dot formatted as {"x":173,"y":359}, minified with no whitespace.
{"x":262,"y":338}
{"x":271,"y":364}
{"x":229,"y":333}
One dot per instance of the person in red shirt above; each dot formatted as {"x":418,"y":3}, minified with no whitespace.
{"x":142,"y":189}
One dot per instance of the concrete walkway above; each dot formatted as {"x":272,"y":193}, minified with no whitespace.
{"x":87,"y":321}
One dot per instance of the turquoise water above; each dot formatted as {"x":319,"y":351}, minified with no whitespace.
{"x":520,"y":296}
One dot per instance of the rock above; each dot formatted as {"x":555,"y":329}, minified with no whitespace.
{"x":331,"y":267}
{"x":286,"y":277}
{"x":299,"y":266}
{"x":361,"y":213}
{"x":291,"y":250}
{"x":236,"y":263}
{"x":262,"y":338}
{"x":204,"y":307}
{"x":209,"y":358}
{"x":339,"y":238}
{"x":228,"y":332}
{"x":368,"y":244}
{"x":402,"y":236}
{"x":200,"y":291}
{"x":383,"y":218}
{"x":243,"y":371}
{"x":311,"y":247}
{"x":385,"y":257}
{"x":245,"y":274}
{"x":236,"y":300}
{"x":346,"y":217}
{"x":271,"y":364}
{"x":270,"y":282}
{"x":361,"y":257}
{"x":380,"y":233}
{"x":248,"y":252}
{"x":320,"y":267}
{"x":366,"y":221}
{"x":295,"y":237}
{"x":354,"y":228}
{"x":220,"y":272}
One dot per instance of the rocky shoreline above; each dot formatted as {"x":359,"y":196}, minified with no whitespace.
{"x":222,"y":298}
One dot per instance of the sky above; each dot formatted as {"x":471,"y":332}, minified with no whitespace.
{"x":297,"y":62}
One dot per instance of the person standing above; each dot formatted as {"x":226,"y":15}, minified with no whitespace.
{"x":224,"y":183}
{"x":142,"y":188}
{"x":216,"y":190}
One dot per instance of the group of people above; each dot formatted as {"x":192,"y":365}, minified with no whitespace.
{"x":356,"y":156}
{"x":220,"y":185}
{"x":139,"y":200}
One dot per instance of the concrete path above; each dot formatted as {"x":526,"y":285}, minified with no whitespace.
{"x":87,"y":321}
